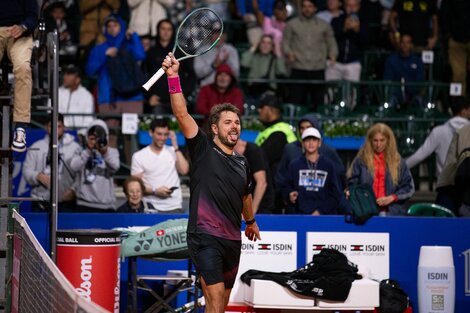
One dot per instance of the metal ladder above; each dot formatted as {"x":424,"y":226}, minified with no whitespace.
{"x":6,"y":157}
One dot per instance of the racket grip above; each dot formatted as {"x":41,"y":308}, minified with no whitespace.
{"x":153,"y":79}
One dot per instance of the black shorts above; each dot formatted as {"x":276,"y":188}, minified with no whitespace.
{"x":216,"y":259}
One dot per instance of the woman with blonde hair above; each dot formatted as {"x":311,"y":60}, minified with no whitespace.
{"x":379,"y":164}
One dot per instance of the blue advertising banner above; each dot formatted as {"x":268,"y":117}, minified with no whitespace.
{"x":406,"y":236}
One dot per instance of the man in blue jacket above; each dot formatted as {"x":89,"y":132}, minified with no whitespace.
{"x":120,"y":44}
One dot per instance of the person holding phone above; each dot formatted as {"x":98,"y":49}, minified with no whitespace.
{"x":159,"y":166}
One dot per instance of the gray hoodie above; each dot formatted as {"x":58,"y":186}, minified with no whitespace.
{"x":37,"y":161}
{"x":438,"y":141}
{"x":95,"y":184}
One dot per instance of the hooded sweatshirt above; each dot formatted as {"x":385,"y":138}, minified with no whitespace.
{"x":96,"y":64}
{"x":318,"y":188}
{"x":38,"y":161}
{"x":438,"y":141}
{"x":209,"y":95}
{"x":294,"y":150}
{"x":95,"y":184}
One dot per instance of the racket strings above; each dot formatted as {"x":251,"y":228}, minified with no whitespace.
{"x":199,"y":32}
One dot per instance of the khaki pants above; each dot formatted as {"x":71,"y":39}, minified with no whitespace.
{"x":459,"y":59}
{"x":19,"y":51}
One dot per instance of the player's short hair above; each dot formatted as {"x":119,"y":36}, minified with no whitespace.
{"x":216,"y":110}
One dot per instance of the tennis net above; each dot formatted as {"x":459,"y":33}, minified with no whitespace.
{"x":38,"y":285}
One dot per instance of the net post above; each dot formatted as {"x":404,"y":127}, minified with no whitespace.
{"x":53,"y":69}
{"x":9,"y":272}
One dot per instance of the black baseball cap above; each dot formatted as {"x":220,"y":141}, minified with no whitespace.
{"x":269,"y":99}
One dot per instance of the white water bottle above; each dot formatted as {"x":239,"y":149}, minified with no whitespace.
{"x":436,"y":280}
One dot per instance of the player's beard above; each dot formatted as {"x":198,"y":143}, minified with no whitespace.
{"x":225,"y":140}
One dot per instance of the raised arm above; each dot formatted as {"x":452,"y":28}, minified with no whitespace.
{"x":178,"y":102}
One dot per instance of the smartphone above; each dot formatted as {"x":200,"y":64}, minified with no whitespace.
{"x":173,"y":188}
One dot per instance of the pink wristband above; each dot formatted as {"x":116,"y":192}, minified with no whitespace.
{"x":174,"y":85}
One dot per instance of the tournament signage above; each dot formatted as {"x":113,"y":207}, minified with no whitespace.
{"x":370,"y":251}
{"x":276,"y":252}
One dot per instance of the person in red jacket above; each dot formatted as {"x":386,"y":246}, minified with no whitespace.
{"x":223,"y":90}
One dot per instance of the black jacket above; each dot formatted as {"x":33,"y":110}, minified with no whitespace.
{"x":329,"y":276}
{"x":350,"y":44}
{"x":17,"y":12}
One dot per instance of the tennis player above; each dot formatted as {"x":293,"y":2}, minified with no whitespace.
{"x":220,"y":194}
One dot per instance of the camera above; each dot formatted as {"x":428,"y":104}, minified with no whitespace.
{"x":102,"y":141}
{"x":100,"y":136}
{"x":90,"y":175}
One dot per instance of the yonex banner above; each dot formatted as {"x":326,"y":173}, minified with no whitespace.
{"x":276,"y":252}
{"x":370,"y":251}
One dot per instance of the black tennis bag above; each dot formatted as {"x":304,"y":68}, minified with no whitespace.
{"x":363,"y":204}
{"x":328,"y":276}
{"x":393,"y":299}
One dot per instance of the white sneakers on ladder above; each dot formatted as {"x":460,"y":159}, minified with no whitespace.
{"x":19,"y":140}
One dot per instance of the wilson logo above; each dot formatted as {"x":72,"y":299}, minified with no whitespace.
{"x":85,"y":286}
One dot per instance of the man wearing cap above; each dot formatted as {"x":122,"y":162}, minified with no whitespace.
{"x":276,"y":134}
{"x":294,"y":150}
{"x":312,"y":185}
{"x":73,"y":99}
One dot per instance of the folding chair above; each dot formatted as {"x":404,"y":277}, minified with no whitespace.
{"x":180,"y":283}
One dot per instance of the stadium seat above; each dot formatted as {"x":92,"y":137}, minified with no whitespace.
{"x":429,"y":209}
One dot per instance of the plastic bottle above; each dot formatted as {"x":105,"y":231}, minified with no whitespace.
{"x":436,"y":280}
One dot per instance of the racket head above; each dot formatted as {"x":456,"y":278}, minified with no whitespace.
{"x":199,"y":32}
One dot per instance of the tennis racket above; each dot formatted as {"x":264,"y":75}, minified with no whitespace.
{"x":198,"y":33}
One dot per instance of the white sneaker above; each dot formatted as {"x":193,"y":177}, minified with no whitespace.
{"x":19,"y":140}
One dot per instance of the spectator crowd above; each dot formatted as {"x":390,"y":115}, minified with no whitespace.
{"x":309,"y":42}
